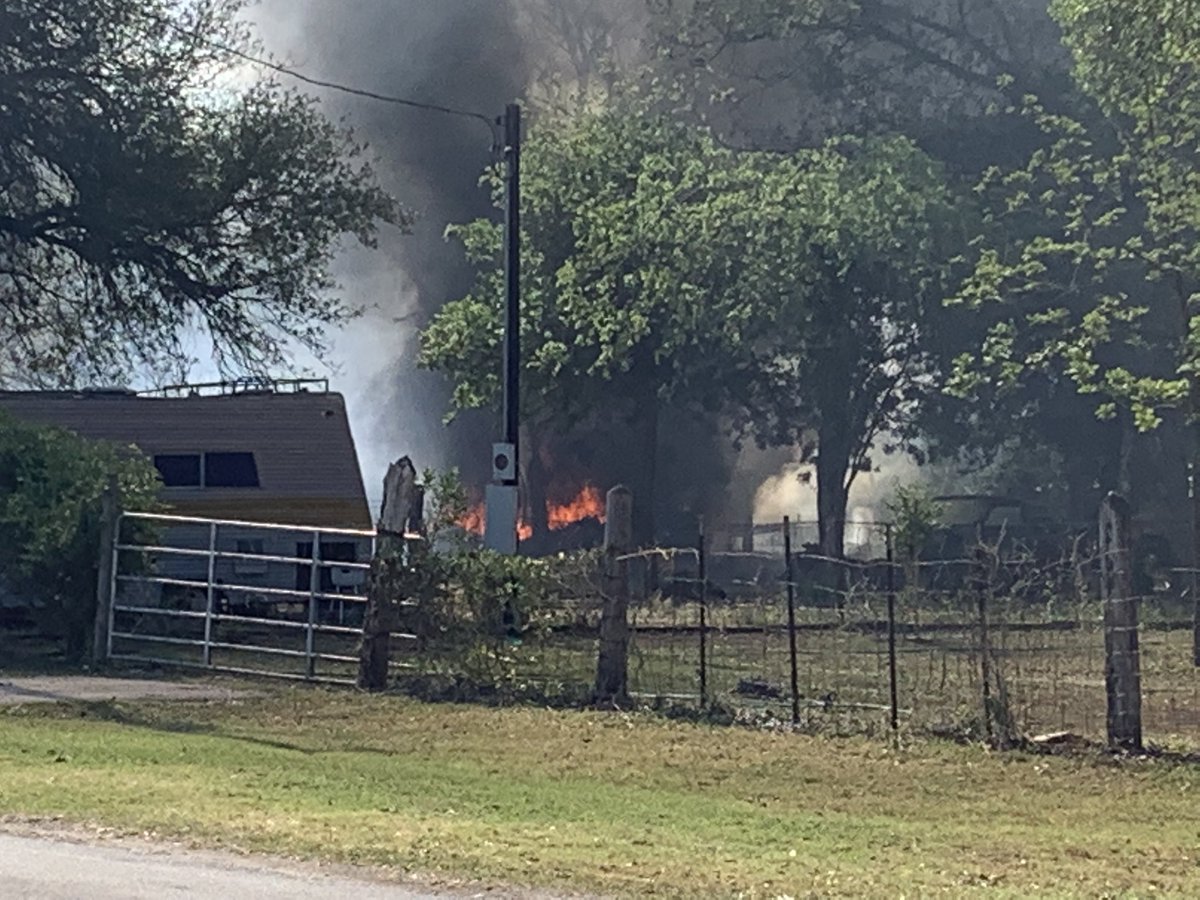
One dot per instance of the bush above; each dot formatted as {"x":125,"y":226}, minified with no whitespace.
{"x":915,"y":518}
{"x":52,"y":484}
{"x":477,"y":612}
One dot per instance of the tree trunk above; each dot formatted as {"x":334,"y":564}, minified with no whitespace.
{"x":833,"y":462}
{"x":833,"y":392}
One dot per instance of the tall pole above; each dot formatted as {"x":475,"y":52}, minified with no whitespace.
{"x":502,"y":531}
{"x":893,"y":686}
{"x":512,"y":279}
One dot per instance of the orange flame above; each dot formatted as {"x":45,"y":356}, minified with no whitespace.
{"x":474,"y":521}
{"x":587,"y":504}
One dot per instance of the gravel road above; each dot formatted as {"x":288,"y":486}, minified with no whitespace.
{"x":53,"y":688}
{"x":48,"y":868}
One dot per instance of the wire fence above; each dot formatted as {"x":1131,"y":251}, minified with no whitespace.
{"x":998,"y":636}
{"x":1002,"y":641}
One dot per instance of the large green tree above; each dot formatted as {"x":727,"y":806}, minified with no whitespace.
{"x":633,"y":291}
{"x":783,"y":292}
{"x":1091,"y":253}
{"x":953,"y":76}
{"x":153,"y":187}
{"x":878,"y":225}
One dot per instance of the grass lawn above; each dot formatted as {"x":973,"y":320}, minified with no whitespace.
{"x":606,"y":803}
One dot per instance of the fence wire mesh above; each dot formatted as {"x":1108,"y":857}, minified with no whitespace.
{"x":1005,"y":639}
{"x":999,"y":637}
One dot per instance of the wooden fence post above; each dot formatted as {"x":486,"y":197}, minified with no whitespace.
{"x":612,"y":663}
{"x":400,"y":491}
{"x":110,"y":515}
{"x":893,"y":679}
{"x":793,"y":661}
{"x":1122,"y":666}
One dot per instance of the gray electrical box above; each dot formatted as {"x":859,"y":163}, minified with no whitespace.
{"x":500,"y":530}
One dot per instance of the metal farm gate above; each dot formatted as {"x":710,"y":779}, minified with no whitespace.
{"x":245,"y":597}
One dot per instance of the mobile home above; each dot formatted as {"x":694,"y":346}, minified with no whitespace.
{"x":275,"y":452}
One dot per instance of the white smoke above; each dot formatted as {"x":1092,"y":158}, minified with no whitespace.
{"x":792,"y":492}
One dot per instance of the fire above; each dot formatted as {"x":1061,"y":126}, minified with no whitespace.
{"x":475,"y":522}
{"x":587,"y":504}
{"x":474,"y":519}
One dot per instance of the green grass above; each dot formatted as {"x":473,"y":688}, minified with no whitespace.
{"x":1053,"y":677}
{"x":610,"y":803}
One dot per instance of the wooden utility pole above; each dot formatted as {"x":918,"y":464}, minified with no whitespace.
{"x":503,"y":498}
{"x":612,"y":665}
{"x":1122,"y":662}
{"x":512,"y":280}
{"x":400,"y":495}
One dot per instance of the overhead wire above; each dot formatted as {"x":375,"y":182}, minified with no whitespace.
{"x":490,"y":122}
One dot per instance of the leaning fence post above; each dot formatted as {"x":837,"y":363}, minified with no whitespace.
{"x":612,"y":663}
{"x":791,"y":602}
{"x":110,"y":515}
{"x":398,"y":495}
{"x":1122,"y":666}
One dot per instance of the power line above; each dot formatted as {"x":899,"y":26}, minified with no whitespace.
{"x":321,"y":83}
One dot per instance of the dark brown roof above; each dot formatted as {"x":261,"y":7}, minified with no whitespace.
{"x":307,"y":465}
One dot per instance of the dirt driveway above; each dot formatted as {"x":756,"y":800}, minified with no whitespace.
{"x":55,"y":688}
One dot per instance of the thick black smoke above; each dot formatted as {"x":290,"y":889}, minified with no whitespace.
{"x":475,"y":55}
{"x":461,"y":53}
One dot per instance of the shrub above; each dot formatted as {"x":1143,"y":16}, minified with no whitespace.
{"x":52,"y":484}
{"x":478,"y":613}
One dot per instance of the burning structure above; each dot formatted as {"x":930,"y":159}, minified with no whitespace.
{"x":574,"y":522}
{"x":479,"y":55}
{"x":476,"y":55}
